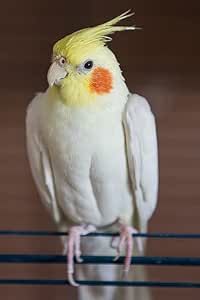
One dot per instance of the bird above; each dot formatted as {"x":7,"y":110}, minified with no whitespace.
{"x":93,"y":154}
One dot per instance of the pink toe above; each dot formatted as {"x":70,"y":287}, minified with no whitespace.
{"x":129,"y":250}
{"x":70,"y":255}
{"x":71,"y":280}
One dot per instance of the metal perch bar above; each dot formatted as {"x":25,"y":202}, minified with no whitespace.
{"x":108,"y":234}
{"x":136,"y":260}
{"x":164,"y":284}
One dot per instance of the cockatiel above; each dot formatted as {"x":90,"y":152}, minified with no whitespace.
{"x":92,"y":149}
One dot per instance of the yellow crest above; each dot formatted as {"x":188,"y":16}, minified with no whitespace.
{"x":81,"y":42}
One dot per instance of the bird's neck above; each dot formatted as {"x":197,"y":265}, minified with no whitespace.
{"x":114,"y":99}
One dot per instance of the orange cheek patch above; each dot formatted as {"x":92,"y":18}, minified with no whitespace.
{"x":101,"y":81}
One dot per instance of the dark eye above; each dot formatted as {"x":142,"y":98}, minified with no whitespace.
{"x":62,"y":61}
{"x":88,"y":65}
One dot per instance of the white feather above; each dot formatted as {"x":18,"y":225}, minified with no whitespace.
{"x":142,"y":154}
{"x":40,"y":161}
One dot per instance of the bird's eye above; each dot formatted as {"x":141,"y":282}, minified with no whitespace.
{"x":88,"y":65}
{"x":62,"y":61}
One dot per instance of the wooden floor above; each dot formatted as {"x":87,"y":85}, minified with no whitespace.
{"x":161,"y":62}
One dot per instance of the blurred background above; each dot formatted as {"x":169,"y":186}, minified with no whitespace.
{"x":162,"y":63}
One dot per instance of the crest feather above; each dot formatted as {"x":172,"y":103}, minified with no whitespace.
{"x":92,"y":37}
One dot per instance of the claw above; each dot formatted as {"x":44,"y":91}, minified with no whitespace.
{"x":119,"y":247}
{"x":126,"y":240}
{"x":73,"y":248}
{"x":129,"y":250}
{"x":114,"y":242}
{"x":71,"y":280}
{"x":77,"y":249}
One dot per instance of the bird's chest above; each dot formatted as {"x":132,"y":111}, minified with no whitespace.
{"x":89,"y":163}
{"x":80,"y":145}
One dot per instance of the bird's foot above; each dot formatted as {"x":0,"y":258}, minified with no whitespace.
{"x":126,"y":241}
{"x":73,"y":248}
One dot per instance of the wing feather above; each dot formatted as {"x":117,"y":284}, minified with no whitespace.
{"x":142,"y":153}
{"x":39,"y":159}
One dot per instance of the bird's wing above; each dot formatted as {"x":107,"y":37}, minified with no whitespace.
{"x":39,"y":159}
{"x":142,"y":156}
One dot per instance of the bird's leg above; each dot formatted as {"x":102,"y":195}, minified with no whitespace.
{"x":126,"y":241}
{"x":73,"y":248}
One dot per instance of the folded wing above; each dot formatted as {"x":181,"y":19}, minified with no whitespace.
{"x":39,"y":159}
{"x":142,"y":154}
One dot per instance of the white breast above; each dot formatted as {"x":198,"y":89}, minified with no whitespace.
{"x":88,"y":156}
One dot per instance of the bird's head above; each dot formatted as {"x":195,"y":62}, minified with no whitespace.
{"x":83,"y":69}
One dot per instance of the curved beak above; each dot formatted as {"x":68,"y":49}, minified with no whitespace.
{"x":55,"y":73}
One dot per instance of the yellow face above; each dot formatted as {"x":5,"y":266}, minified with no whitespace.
{"x":80,"y":81}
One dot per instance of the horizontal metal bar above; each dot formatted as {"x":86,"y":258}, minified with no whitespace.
{"x":136,"y":260}
{"x":164,"y":284}
{"x":108,"y":234}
